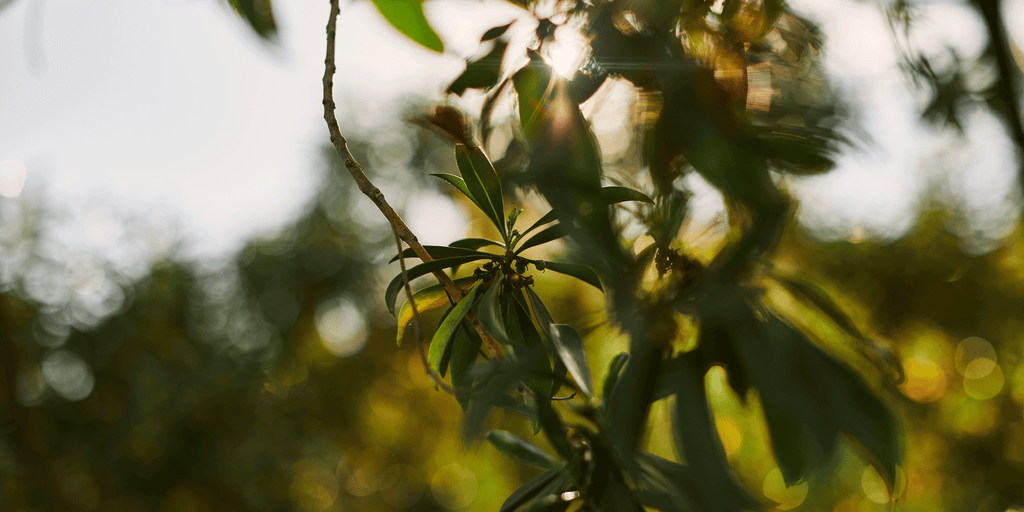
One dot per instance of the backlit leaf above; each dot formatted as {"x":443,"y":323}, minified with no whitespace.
{"x":482,"y":182}
{"x":422,"y":269}
{"x":581,"y":272}
{"x":407,"y":16}
{"x":426,"y":299}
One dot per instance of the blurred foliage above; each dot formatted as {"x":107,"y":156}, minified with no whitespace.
{"x":268,"y":381}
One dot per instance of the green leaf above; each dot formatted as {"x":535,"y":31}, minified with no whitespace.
{"x":489,"y":311}
{"x":259,"y":14}
{"x":531,"y":488}
{"x":443,"y":335}
{"x":569,"y":346}
{"x":614,"y":369}
{"x":465,"y":349}
{"x":581,"y":272}
{"x":439,"y":251}
{"x":680,"y":484}
{"x":494,"y":380}
{"x":407,"y":16}
{"x":548,"y":234}
{"x":614,"y":195}
{"x":513,"y":215}
{"x":476,"y":243}
{"x":428,"y":298}
{"x":460,"y":185}
{"x":631,"y":398}
{"x":547,"y":218}
{"x":422,"y":269}
{"x":540,"y":311}
{"x":442,"y":367}
{"x":481,"y":73}
{"x":482,"y":182}
{"x":495,"y":32}
{"x":697,"y":439}
{"x":515,"y":447}
{"x":522,"y":332}
{"x":555,"y":431}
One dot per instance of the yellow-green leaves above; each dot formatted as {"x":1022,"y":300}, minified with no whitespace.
{"x":443,"y":335}
{"x":426,"y":299}
{"x":407,"y":16}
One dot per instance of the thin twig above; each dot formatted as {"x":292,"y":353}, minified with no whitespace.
{"x":369,"y":190}
{"x":416,"y":320}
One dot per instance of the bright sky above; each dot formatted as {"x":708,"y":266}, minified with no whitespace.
{"x":173,"y":106}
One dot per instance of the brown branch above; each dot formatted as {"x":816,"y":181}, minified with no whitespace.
{"x":371,"y":191}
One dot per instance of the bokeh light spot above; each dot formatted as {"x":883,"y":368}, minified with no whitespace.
{"x":567,"y":52}
{"x":68,"y":375}
{"x":341,"y":327}
{"x":454,"y":486}
{"x":314,"y":486}
{"x":787,"y":497}
{"x":985,"y":387}
{"x":84,"y":275}
{"x":925,"y":380}
{"x":975,"y":357}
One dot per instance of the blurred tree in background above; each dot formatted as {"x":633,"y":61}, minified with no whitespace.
{"x":269,"y":382}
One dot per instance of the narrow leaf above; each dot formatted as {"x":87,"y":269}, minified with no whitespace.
{"x":460,"y":185}
{"x":515,"y":447}
{"x":481,"y":73}
{"x":259,"y":14}
{"x":530,"y":489}
{"x":422,"y":269}
{"x":552,"y":233}
{"x":614,"y":369}
{"x":614,"y":195}
{"x":407,"y":16}
{"x":821,"y":300}
{"x":546,"y":219}
{"x":698,"y":441}
{"x":482,"y":182}
{"x":440,"y":251}
{"x":489,"y":311}
{"x":476,"y":243}
{"x":555,"y":431}
{"x":581,"y":272}
{"x":465,"y":349}
{"x":569,"y":346}
{"x":443,"y":335}
{"x":428,"y":298}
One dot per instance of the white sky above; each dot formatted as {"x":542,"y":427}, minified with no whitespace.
{"x":174,"y":106}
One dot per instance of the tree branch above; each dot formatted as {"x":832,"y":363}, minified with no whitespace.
{"x":371,"y":191}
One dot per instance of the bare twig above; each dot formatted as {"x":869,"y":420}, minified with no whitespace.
{"x":371,"y":191}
